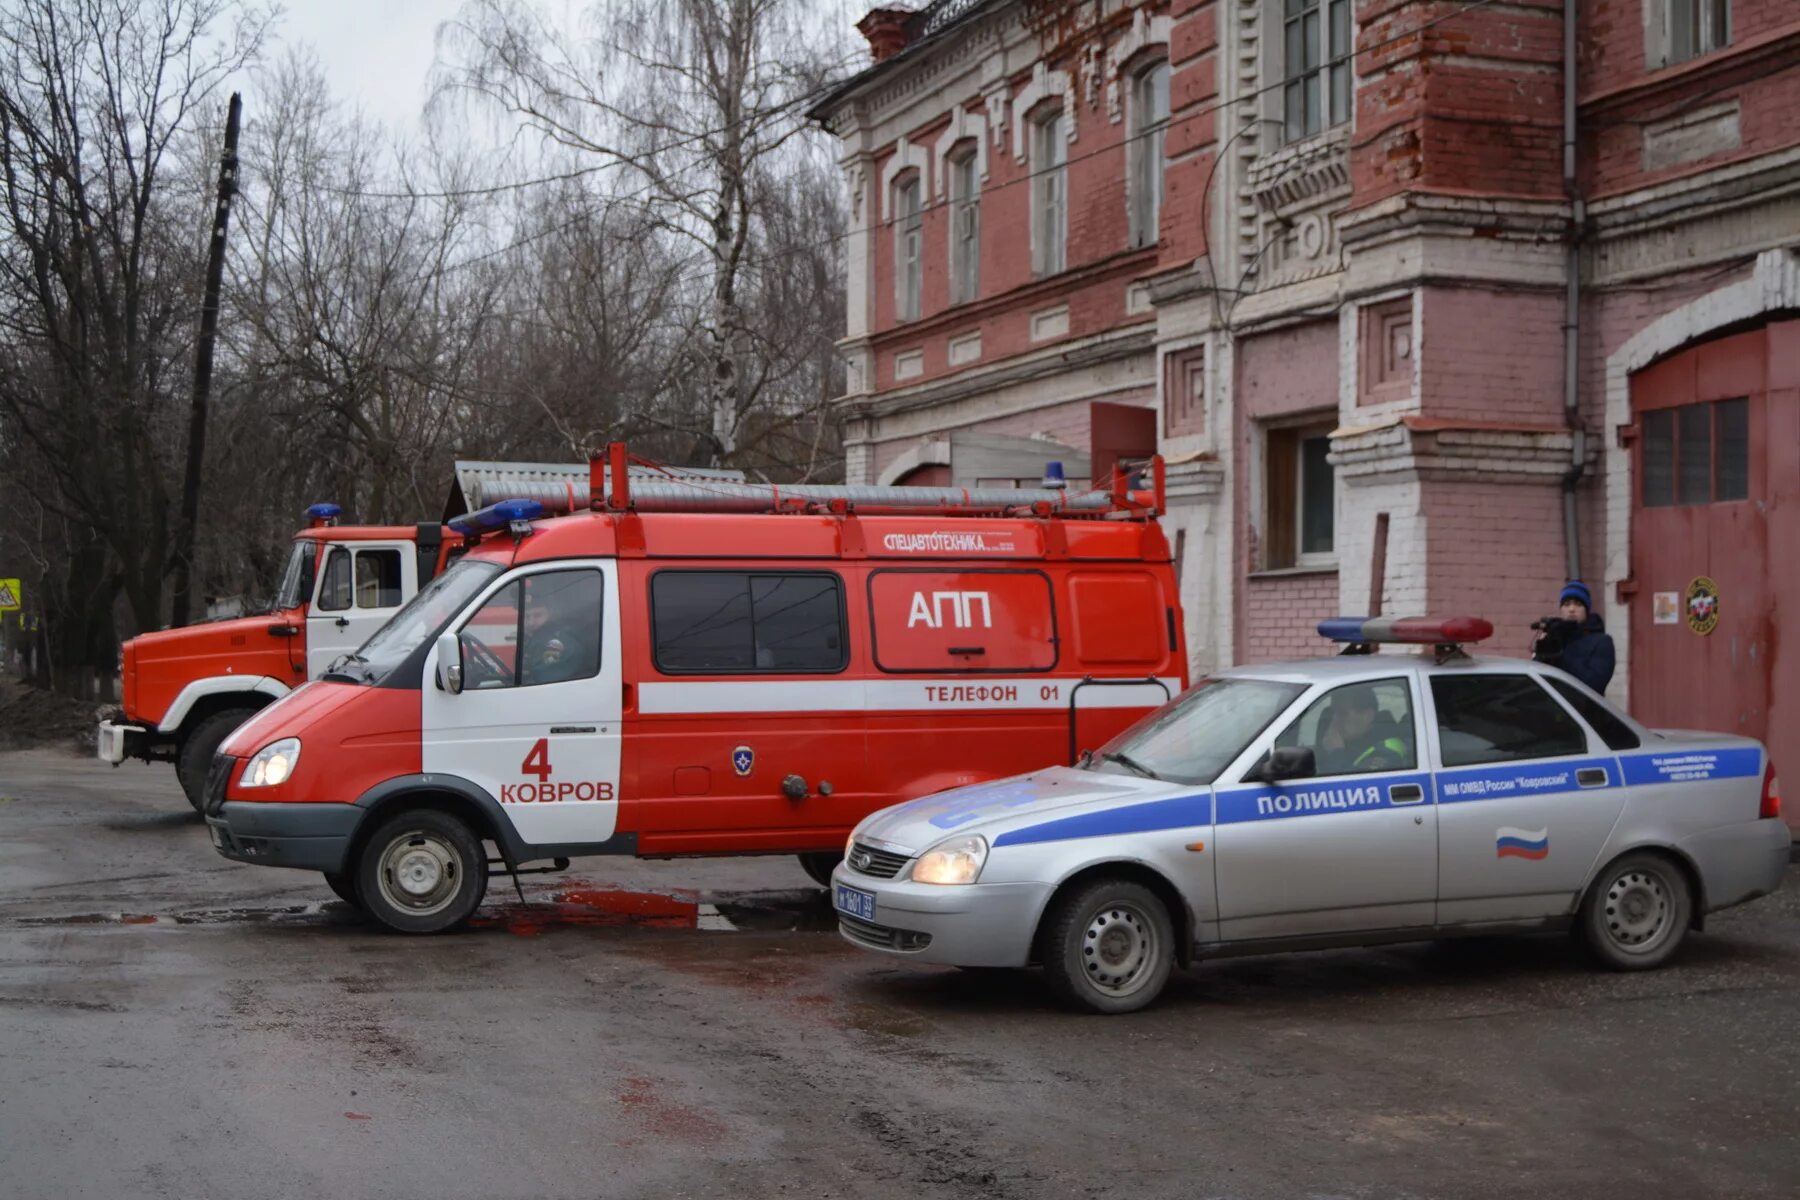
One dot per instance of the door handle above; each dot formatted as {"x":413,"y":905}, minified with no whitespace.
{"x":342,"y":622}
{"x":283,"y":631}
{"x":968,"y":649}
{"x":1406,"y":793}
{"x":1591,"y":777}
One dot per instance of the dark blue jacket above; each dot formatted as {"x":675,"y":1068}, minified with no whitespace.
{"x":1588,"y":656}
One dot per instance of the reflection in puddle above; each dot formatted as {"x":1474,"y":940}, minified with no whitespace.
{"x":805,"y":910}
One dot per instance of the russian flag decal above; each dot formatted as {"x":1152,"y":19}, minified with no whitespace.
{"x":1521,"y":843}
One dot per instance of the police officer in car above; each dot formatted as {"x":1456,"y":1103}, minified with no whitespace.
{"x":1576,"y":639}
{"x":1357,"y":738}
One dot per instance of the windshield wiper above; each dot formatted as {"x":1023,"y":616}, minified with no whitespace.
{"x":1130,"y":763}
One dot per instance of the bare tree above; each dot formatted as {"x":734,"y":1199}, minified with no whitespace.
{"x":698,"y":103}
{"x":98,"y":269}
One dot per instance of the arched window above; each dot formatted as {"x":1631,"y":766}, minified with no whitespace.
{"x":1149,"y":122}
{"x":1049,"y":191}
{"x":965,"y":226}
{"x":909,"y":237}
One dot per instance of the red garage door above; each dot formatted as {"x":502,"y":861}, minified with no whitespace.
{"x":1715,"y":540}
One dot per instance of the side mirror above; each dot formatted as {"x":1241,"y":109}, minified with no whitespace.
{"x":449,"y":663}
{"x":1288,"y":762}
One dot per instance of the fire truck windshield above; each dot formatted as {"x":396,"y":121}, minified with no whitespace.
{"x":423,"y":616}
{"x":296,"y":577}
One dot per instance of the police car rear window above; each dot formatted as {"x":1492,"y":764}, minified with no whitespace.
{"x":1498,"y":718}
{"x":742,"y":622}
{"x":1615,"y":733}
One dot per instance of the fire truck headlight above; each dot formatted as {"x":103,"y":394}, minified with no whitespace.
{"x":272,"y":764}
{"x":956,"y":861}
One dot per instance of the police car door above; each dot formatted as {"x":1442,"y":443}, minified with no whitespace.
{"x":1351,"y":847}
{"x":1526,"y":798}
{"x":536,"y":725}
{"x":361,"y":585}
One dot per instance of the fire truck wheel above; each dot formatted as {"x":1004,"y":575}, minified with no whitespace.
{"x":343,"y":886}
{"x":198,"y":750}
{"x":423,"y":871}
{"x":1107,"y":946}
{"x":819,"y":865}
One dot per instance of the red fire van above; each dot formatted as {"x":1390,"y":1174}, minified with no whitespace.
{"x":697,"y":669}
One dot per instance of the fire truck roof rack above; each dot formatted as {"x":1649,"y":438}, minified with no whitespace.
{"x":615,"y":487}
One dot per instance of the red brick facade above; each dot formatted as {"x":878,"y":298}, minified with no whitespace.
{"x":1402,"y":273}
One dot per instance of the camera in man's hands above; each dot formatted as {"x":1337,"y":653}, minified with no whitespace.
{"x":1556,"y":633}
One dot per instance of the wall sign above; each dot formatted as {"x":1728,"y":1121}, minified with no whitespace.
{"x":1665,"y":607}
{"x":1702,"y":605}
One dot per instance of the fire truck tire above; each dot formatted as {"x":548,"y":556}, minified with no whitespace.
{"x":198,"y":749}
{"x":343,"y":886}
{"x":820,"y":864}
{"x":422,"y":871}
{"x":1107,"y":946}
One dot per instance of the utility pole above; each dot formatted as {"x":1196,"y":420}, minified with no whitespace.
{"x":203,"y":360}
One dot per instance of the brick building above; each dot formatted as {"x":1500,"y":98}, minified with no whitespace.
{"x":1415,"y":334}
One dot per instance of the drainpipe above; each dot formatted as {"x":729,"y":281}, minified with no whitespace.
{"x":1572,"y":305}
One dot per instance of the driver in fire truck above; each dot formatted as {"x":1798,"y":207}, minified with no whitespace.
{"x":559,"y":636}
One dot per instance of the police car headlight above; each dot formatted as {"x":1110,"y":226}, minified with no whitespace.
{"x":958,"y":860}
{"x":272,"y":764}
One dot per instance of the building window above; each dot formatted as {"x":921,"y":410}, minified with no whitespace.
{"x":1301,"y":489}
{"x":1688,"y":29}
{"x":965,"y":227}
{"x":1316,"y":92}
{"x":1149,"y":122}
{"x":1049,"y":192}
{"x":909,"y":240}
{"x":1696,"y":454}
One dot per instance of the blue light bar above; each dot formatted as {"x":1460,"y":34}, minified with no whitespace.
{"x":324,"y":512}
{"x":496,"y":516}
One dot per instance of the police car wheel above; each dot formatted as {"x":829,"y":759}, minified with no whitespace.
{"x":424,"y":871}
{"x":1107,"y":947}
{"x":1636,"y":912}
{"x":819,"y":865}
{"x":343,"y":886}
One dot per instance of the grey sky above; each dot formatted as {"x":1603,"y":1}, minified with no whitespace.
{"x":376,"y":54}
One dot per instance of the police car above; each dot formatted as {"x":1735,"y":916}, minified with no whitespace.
{"x":1350,"y":800}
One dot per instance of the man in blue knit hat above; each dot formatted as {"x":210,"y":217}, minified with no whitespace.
{"x":1577,"y":640}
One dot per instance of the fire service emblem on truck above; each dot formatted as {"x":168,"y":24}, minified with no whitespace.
{"x":743,"y":760}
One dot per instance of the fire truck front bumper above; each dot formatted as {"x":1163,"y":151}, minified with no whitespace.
{"x":310,"y":837}
{"x":116,"y":741}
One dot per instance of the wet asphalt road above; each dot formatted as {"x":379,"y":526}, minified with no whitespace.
{"x":172,"y":1024}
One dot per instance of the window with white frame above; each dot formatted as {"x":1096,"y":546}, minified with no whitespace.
{"x":1300,"y":489}
{"x":909,"y":239}
{"x":1149,"y":122}
{"x":1684,"y":29}
{"x":965,"y":226}
{"x":1316,"y":42}
{"x":1049,"y":191}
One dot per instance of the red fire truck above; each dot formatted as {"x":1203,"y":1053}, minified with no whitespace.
{"x":694,"y":668}
{"x":183,"y":690}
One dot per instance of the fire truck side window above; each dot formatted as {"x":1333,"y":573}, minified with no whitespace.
{"x":378,"y":579}
{"x":544,"y":628}
{"x":740,"y":622}
{"x":334,"y":585}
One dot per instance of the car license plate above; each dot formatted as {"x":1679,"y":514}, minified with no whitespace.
{"x":855,"y":902}
{"x":217,"y":837}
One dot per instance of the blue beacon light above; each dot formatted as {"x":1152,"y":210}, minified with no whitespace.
{"x":1053,"y":476}
{"x":496,"y":516}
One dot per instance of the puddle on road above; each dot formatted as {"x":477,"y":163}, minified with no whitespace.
{"x":568,"y":907}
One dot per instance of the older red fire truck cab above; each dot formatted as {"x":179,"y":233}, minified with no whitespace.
{"x":182,"y":691}
{"x":695,"y":669}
